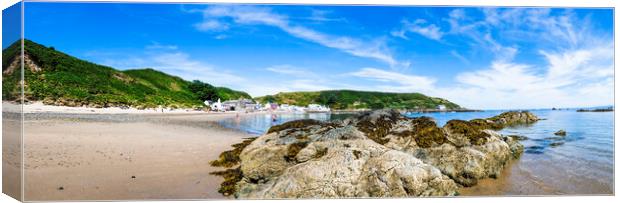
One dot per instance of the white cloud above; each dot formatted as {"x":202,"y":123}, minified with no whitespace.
{"x":291,"y":71}
{"x":411,"y":82}
{"x":158,"y":46}
{"x":220,"y":37}
{"x":574,"y":78}
{"x":322,"y":16}
{"x":501,"y":76}
{"x":175,"y":63}
{"x":459,"y":56}
{"x":211,"y":25}
{"x":308,"y":85}
{"x":269,"y":86}
{"x":180,"y":64}
{"x":498,"y":28}
{"x":252,"y":15}
{"x":421,"y":27}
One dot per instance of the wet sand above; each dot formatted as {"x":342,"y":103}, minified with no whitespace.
{"x":514,"y":181}
{"x":530,"y":177}
{"x":124,"y":157}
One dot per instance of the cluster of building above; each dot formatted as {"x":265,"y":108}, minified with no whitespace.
{"x":249,"y":105}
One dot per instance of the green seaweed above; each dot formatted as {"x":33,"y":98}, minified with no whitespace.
{"x":518,"y":137}
{"x":231,"y":158}
{"x":293,"y":150}
{"x":231,"y":177}
{"x":320,"y":153}
{"x":472,"y":131}
{"x":486,"y":124}
{"x":425,"y":132}
{"x":377,"y":130}
{"x":293,"y":124}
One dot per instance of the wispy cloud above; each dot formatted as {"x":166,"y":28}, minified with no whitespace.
{"x":561,"y":30}
{"x":157,"y":46}
{"x":409,"y":83}
{"x":221,"y":36}
{"x":421,"y":27}
{"x":577,"y":69}
{"x":180,"y":64}
{"x":211,"y":25}
{"x":570,"y":79}
{"x":323,"y":16}
{"x":253,"y":15}
{"x":171,"y":61}
{"x":459,"y":56}
{"x":292,"y":71}
{"x":293,"y":79}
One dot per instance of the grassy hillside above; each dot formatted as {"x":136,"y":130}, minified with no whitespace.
{"x":57,"y":78}
{"x":349,"y":99}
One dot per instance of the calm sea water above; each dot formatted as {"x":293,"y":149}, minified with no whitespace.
{"x":582,"y":162}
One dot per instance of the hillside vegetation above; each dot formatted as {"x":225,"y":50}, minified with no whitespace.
{"x":350,"y":99}
{"x":57,"y":78}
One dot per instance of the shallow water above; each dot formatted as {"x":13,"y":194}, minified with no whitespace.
{"x":581,"y":162}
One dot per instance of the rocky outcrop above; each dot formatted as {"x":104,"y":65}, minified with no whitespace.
{"x":16,"y":64}
{"x":376,"y":154}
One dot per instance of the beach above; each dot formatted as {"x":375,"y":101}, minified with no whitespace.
{"x":85,"y":156}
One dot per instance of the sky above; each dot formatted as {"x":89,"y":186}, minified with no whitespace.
{"x":477,"y":57}
{"x":11,"y":24}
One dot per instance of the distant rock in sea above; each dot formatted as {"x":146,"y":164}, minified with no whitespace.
{"x":376,"y":154}
{"x":560,"y":133}
{"x":609,"y":109}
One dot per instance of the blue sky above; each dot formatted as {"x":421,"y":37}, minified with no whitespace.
{"x":11,"y":24}
{"x":484,"y":58}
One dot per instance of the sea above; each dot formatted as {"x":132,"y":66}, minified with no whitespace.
{"x":580,"y":163}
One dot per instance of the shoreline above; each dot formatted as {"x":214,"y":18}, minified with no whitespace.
{"x":39,"y":107}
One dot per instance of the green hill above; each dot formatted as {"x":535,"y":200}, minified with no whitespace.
{"x":57,"y":78}
{"x":350,"y":99}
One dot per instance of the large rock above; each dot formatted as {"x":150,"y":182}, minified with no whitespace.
{"x":376,"y":154}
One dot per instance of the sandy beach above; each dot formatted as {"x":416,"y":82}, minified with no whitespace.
{"x":123,"y":156}
{"x":11,"y":155}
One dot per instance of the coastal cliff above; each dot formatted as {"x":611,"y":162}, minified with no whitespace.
{"x":375,"y":154}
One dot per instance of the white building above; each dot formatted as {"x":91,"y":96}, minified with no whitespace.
{"x":317,"y":108}
{"x":238,"y":105}
{"x":216,"y":106}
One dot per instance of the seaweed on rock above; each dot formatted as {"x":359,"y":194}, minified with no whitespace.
{"x":230,"y":158}
{"x":472,"y":131}
{"x":425,"y":132}
{"x":377,"y":126}
{"x":293,"y":124}
{"x":293,"y":149}
{"x":231,"y":177}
